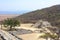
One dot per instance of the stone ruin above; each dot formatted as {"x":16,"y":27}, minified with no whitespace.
{"x":44,"y":26}
{"x":42,"y":23}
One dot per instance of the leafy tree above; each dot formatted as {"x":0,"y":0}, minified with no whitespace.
{"x":11,"y":23}
{"x":48,"y":35}
{"x":45,"y":36}
{"x":1,"y":23}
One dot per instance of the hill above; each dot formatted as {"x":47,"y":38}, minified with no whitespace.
{"x":51,"y":14}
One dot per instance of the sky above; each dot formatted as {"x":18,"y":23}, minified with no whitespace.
{"x":26,"y":5}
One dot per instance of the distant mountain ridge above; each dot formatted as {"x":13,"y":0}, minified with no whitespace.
{"x":51,"y":14}
{"x":5,"y":16}
{"x":14,"y":12}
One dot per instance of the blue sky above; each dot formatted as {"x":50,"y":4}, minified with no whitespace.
{"x":28,"y":5}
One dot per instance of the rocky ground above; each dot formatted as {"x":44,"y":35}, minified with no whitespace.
{"x":32,"y":32}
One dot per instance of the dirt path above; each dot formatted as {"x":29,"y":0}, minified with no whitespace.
{"x":32,"y":36}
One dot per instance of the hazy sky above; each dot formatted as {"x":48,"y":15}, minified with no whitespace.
{"x":19,"y":5}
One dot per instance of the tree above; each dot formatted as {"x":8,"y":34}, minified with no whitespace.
{"x":1,"y":23}
{"x":11,"y":23}
{"x":48,"y":35}
{"x":54,"y":36}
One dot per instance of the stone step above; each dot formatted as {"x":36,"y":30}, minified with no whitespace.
{"x":8,"y":36}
